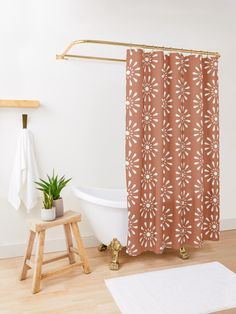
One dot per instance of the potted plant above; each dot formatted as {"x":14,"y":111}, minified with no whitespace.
{"x":48,"y":212}
{"x":54,"y":185}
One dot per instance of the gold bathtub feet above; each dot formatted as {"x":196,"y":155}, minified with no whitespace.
{"x":102,"y":247}
{"x":183,"y":253}
{"x":115,"y":247}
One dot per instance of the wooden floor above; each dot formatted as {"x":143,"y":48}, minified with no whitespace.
{"x":75,"y":292}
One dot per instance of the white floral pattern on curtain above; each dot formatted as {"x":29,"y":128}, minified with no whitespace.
{"x":172,"y":150}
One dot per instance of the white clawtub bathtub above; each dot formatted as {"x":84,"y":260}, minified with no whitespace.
{"x":106,"y":210}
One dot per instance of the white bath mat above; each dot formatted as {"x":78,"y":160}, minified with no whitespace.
{"x":197,"y":289}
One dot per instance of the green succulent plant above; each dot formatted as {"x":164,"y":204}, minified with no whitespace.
{"x":48,"y":201}
{"x":53,"y":185}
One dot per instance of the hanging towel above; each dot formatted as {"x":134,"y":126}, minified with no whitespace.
{"x":24,"y":173}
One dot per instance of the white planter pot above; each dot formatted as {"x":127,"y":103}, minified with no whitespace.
{"x":58,"y":204}
{"x":48,"y":214}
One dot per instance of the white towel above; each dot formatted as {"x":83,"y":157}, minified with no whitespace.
{"x":24,"y":173}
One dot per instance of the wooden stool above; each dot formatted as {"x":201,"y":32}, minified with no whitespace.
{"x":37,"y":226}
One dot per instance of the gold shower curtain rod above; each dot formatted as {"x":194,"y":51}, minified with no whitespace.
{"x":66,"y":55}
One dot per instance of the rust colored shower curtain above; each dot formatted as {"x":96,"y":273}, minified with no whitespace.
{"x":172,"y":150}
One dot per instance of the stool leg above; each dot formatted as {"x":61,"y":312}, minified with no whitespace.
{"x":69,"y":243}
{"x":80,"y":247}
{"x":27,"y":255}
{"x":38,"y":262}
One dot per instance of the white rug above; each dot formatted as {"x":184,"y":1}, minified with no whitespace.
{"x":196,"y":289}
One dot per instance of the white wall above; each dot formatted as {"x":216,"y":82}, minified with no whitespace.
{"x":79,"y":129}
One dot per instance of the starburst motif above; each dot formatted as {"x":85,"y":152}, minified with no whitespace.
{"x":211,"y":226}
{"x":148,"y":206}
{"x":182,"y":90}
{"x":198,"y":75}
{"x":199,"y":189}
{"x":182,"y":118}
{"x":133,"y":224}
{"x":149,"y":147}
{"x":166,"y":74}
{"x":148,"y":235}
{"x":211,"y":66}
{"x":198,"y":104}
{"x":212,"y":145}
{"x":131,"y":249}
{"x":198,"y":217}
{"x":132,"y":103}
{"x":212,"y":200}
{"x":212,"y":119}
{"x":198,"y":160}
{"x":198,"y":132}
{"x":132,"y":72}
{"x":166,"y":161}
{"x":132,"y":163}
{"x":198,"y":241}
{"x":150,"y":61}
{"x":149,"y":119}
{"x":183,"y":174}
{"x":183,"y":231}
{"x":166,"y":189}
{"x":166,"y":242}
{"x":166,"y":132}
{"x":184,"y":203}
{"x":166,"y":103}
{"x":211,"y":92}
{"x":148,"y":176}
{"x":183,"y":146}
{"x":166,"y":218}
{"x":132,"y":193}
{"x":132,"y":133}
{"x":150,"y":88}
{"x":212,"y":172}
{"x":182,"y":63}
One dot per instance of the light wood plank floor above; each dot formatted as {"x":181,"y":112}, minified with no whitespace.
{"x":75,"y":292}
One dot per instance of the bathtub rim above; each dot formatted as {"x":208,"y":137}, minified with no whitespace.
{"x":98,"y":200}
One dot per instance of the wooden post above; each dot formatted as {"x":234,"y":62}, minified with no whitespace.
{"x":81,"y":249}
{"x":27,"y":255}
{"x":69,"y":243}
{"x":38,"y":262}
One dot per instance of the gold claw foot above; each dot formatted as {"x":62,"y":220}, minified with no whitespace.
{"x":183,"y":253}
{"x":102,"y":247}
{"x":115,"y":247}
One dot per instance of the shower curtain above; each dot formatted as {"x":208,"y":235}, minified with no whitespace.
{"x":172,"y":150}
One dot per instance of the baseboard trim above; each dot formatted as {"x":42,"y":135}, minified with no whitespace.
{"x":55,"y":245}
{"x":51,"y":245}
{"x":228,"y":224}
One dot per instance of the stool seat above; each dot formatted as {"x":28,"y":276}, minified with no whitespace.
{"x":69,"y":217}
{"x":38,"y":227}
